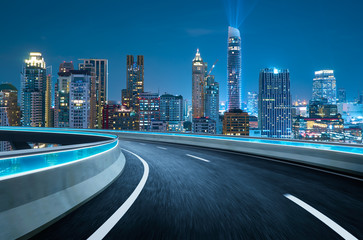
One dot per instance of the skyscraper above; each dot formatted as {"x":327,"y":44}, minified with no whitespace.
{"x":79,"y":99}
{"x":48,"y":99}
{"x":9,"y":101}
{"x":199,"y":72}
{"x":4,"y":145}
{"x":274,"y":103}
{"x":252,"y":104}
{"x":342,"y":95}
{"x":134,"y":81}
{"x":61,"y":98}
{"x":234,"y":69}
{"x":33,"y":87}
{"x":211,"y":99}
{"x":98,"y":87}
{"x":324,"y":86}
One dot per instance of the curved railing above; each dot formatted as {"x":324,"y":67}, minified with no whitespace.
{"x":38,"y":186}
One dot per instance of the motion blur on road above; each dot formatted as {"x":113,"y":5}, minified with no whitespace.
{"x":200,"y":193}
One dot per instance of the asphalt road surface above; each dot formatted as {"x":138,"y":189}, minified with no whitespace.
{"x":200,"y":193}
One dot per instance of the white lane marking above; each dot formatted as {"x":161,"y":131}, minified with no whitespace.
{"x":162,"y":148}
{"x":143,"y":144}
{"x":199,"y":158}
{"x":102,"y":231}
{"x":330,"y":223}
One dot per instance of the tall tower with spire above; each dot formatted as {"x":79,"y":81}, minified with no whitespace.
{"x":234,"y":68}
{"x":199,"y":72}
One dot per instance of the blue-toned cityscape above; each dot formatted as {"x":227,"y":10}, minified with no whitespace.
{"x":210,"y":119}
{"x":79,"y":99}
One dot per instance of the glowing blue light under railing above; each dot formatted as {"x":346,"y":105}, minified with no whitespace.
{"x":38,"y":162}
{"x":57,"y":130}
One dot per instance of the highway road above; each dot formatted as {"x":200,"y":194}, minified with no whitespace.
{"x":170,"y":191}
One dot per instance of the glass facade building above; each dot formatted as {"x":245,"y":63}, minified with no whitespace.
{"x":234,"y":69}
{"x":211,"y":99}
{"x":79,"y":99}
{"x":274,"y":103}
{"x":33,"y":87}
{"x":98,"y":69}
{"x":134,"y":81}
{"x":149,"y":110}
{"x":324,"y":86}
{"x":252,"y":104}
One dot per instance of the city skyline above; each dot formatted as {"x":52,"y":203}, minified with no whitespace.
{"x":333,"y":40}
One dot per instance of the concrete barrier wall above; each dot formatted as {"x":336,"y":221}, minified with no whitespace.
{"x":333,"y":160}
{"x":30,"y":202}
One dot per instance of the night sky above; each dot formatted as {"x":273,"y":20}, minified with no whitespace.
{"x":301,"y":35}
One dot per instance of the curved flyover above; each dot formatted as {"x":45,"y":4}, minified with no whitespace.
{"x":195,"y":189}
{"x":38,"y":186}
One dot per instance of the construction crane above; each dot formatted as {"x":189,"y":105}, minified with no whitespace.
{"x":212,"y":68}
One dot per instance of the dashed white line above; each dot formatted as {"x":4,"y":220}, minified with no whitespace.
{"x":143,"y":144}
{"x":199,"y":158}
{"x":330,"y":223}
{"x":102,"y":231}
{"x":162,"y":148}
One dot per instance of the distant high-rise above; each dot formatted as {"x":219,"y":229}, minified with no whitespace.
{"x":118,"y":117}
{"x":9,"y":100}
{"x":199,"y":72}
{"x":98,"y":87}
{"x":134,"y":81}
{"x":234,"y":69}
{"x":171,"y":111}
{"x":342,"y":95}
{"x":252,"y":104}
{"x":61,"y":98}
{"x":4,"y":145}
{"x":274,"y":103}
{"x":171,"y":107}
{"x":48,"y":98}
{"x":149,"y":110}
{"x":211,"y":99}
{"x":79,"y":99}
{"x":33,"y":87}
{"x":324,"y":86}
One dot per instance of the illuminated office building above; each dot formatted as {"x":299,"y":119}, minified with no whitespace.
{"x":199,"y":72}
{"x":274,"y":103}
{"x":204,"y":125}
{"x":9,"y":100}
{"x":98,"y":69}
{"x":118,"y":117}
{"x":79,"y":99}
{"x":234,"y":69}
{"x":134,"y":81}
{"x":171,"y":112}
{"x":211,"y":98}
{"x":48,"y":98}
{"x":4,"y":145}
{"x":252,"y":104}
{"x":61,"y":98}
{"x":149,"y":110}
{"x":324,"y":86}
{"x":33,"y":88}
{"x":236,"y":122}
